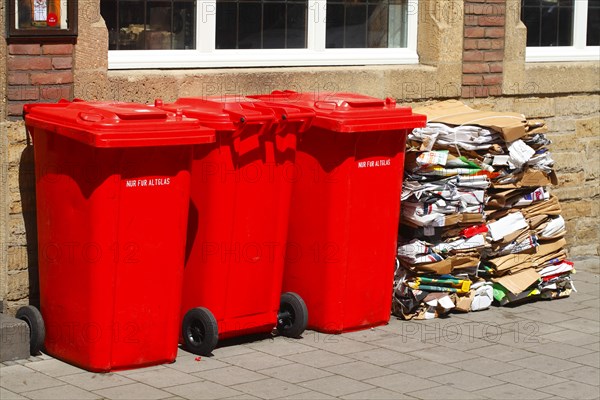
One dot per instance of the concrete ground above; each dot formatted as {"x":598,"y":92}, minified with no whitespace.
{"x":542,"y":350}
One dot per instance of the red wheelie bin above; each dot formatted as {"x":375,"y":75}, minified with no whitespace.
{"x":240,"y":195}
{"x":112,"y":188}
{"x":345,"y":207}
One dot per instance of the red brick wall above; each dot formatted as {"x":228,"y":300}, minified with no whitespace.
{"x":483,"y":48}
{"x":38,"y":72}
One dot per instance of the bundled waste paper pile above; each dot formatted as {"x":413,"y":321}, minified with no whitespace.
{"x":478,"y":221}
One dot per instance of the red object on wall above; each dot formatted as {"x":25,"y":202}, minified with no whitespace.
{"x":112,"y":184}
{"x":345,"y":207}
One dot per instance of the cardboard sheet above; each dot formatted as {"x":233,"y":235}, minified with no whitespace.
{"x":517,"y":283}
{"x":512,"y":126}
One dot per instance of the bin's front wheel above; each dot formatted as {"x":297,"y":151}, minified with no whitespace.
{"x":37,"y":329}
{"x":200,"y":331}
{"x":293,"y":315}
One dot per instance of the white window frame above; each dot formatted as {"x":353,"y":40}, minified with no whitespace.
{"x":579,"y":51}
{"x":206,"y":56}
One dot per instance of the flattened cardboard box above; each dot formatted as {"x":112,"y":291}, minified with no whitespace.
{"x":512,"y":126}
{"x":529,"y":178}
{"x":517,"y":283}
{"x":446,"y":266}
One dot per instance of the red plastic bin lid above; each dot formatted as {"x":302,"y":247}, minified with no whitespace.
{"x":223,"y":113}
{"x":116,"y":124}
{"x":350,"y":112}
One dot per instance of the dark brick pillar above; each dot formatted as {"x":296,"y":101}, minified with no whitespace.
{"x":38,"y":72}
{"x":483,"y":48}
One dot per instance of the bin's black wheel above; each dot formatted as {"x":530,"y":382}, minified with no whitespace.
{"x":293,"y":315}
{"x":37,"y":329}
{"x":200,"y":331}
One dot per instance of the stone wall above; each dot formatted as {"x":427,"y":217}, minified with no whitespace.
{"x":570,"y":107}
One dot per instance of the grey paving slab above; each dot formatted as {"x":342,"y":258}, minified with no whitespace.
{"x":308,"y":395}
{"x":228,"y":351}
{"x":581,"y":297}
{"x":368,"y":335}
{"x":573,"y":390}
{"x":133,"y":391}
{"x":382,"y":357}
{"x":402,"y":344}
{"x":572,"y":337}
{"x":485,"y":330}
{"x":544,"y":363}
{"x":181,"y":352}
{"x":6,"y":394}
{"x":590,"y":313}
{"x":548,"y":316}
{"x":585,"y":374}
{"x":394,"y":325}
{"x":534,"y":328}
{"x":402,"y":383}
{"x":256,"y":361}
{"x":581,"y":325}
{"x":593,"y":346}
{"x":560,"y":350}
{"x":510,"y":391}
{"x":488,"y":367}
{"x":319,"y":359}
{"x":163,"y":378}
{"x":243,"y":396}
{"x":280,"y":346}
{"x":523,"y":338}
{"x":559,"y":305}
{"x":230,"y":375}
{"x":495,"y":316}
{"x":93,"y":381}
{"x":423,"y":368}
{"x":377,"y":394}
{"x":65,"y":392}
{"x":203,"y":390}
{"x":465,"y":380}
{"x":360,"y":370}
{"x":443,"y":355}
{"x":191,"y":365}
{"x":446,"y":393}
{"x":340,"y":345}
{"x":530,"y":379}
{"x":460,"y":341}
{"x":296,"y":373}
{"x":270,"y":388}
{"x":588,"y":283}
{"x":336,"y":385}
{"x":18,"y":379}
{"x":501,"y":352}
{"x":136,"y":370}
{"x":595,"y":303}
{"x":53,"y":367}
{"x":515,"y":310}
{"x":592,"y":359}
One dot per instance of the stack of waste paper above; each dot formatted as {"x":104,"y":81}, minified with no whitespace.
{"x":478,"y":221}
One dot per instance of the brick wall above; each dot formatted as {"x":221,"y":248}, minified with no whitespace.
{"x":483,"y":47}
{"x":38,"y":72}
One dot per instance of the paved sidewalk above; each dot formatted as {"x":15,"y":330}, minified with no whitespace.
{"x":543,"y":350}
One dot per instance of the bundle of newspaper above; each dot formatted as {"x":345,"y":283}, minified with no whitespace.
{"x":475,"y":205}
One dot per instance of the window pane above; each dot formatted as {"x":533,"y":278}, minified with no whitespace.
{"x":548,"y":22}
{"x":593,"y":23}
{"x":147,"y":24}
{"x":366,"y":23}
{"x":261,"y":24}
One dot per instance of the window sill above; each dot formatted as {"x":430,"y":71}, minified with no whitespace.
{"x":152,"y":59}
{"x":562,"y":54}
